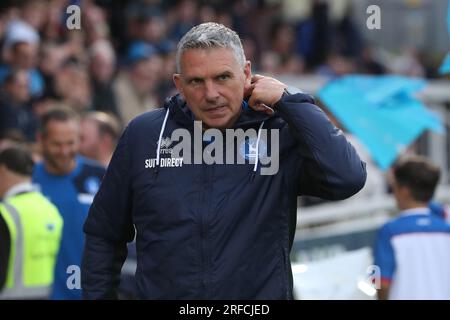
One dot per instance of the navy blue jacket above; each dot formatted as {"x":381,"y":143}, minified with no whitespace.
{"x":216,"y":231}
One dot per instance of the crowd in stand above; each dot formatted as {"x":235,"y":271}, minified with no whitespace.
{"x":121,"y":60}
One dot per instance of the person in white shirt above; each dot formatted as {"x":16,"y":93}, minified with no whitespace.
{"x":413,"y":250}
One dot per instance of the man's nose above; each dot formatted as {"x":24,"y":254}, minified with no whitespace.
{"x":211,"y":91}
{"x":65,"y":150}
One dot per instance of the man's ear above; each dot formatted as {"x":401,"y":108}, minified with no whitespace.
{"x":248,"y":74}
{"x":177,"y":81}
{"x":248,"y":79}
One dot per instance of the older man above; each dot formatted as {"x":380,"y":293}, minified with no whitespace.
{"x":212,"y":220}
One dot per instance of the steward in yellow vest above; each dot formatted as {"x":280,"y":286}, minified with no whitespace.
{"x":30,"y":231}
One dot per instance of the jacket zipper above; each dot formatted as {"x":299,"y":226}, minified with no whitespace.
{"x":207,"y":185}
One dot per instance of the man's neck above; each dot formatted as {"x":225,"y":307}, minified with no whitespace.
{"x":17,"y":186}
{"x":413,"y":205}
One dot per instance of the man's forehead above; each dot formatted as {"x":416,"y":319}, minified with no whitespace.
{"x":208,"y":58}
{"x":63,"y":122}
{"x":62,"y":125}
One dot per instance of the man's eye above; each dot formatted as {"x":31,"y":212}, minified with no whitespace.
{"x":195,"y":81}
{"x":224,"y":77}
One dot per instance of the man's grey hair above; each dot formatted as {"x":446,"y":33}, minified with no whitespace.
{"x":210,"y":35}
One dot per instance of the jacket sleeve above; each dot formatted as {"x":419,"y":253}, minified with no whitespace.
{"x":330,"y":168}
{"x":108,"y":228}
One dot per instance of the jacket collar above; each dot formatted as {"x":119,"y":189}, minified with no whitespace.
{"x":19,"y":188}
{"x":414,"y":211}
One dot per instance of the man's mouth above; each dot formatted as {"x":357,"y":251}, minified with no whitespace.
{"x":216,"y":109}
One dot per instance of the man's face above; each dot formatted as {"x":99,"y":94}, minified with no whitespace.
{"x":25,"y":56}
{"x":60,"y":144}
{"x":212,"y":82}
{"x":19,"y":89}
{"x":102,"y":67}
{"x":90,"y":139}
{"x":146,"y":73}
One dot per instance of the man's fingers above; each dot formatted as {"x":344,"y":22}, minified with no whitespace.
{"x":261,"y":107}
{"x":256,"y":77}
{"x":248,"y":90}
{"x":253,"y":101}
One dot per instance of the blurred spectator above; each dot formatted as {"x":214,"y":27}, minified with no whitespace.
{"x":346,"y":38}
{"x":166,"y":87}
{"x":94,"y":22}
{"x":99,"y":134}
{"x":70,"y":182}
{"x":24,"y":56}
{"x":337,"y":65}
{"x":270,"y":63}
{"x":207,"y":13}
{"x":135,"y":86}
{"x":283,"y":44}
{"x":313,"y":40}
{"x":408,"y":64}
{"x":43,"y":104}
{"x":413,"y":250}
{"x":102,"y":70}
{"x":369,"y":64}
{"x":15,"y":108}
{"x":153,"y":30}
{"x":53,"y":57}
{"x":252,"y":52}
{"x":282,"y":37}
{"x":186,"y":13}
{"x":18,"y":31}
{"x":30,"y":230}
{"x":224,"y":17}
{"x":34,"y":13}
{"x":11,"y":138}
{"x":53,"y":29}
{"x":293,"y":65}
{"x":73,"y":87}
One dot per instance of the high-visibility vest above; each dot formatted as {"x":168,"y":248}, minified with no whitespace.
{"x":35,"y":228}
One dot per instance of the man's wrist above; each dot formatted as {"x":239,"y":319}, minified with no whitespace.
{"x":288,"y":91}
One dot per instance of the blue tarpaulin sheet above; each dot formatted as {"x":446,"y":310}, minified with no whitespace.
{"x":381,"y":111}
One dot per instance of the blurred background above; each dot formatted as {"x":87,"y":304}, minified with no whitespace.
{"x":121,"y":62}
